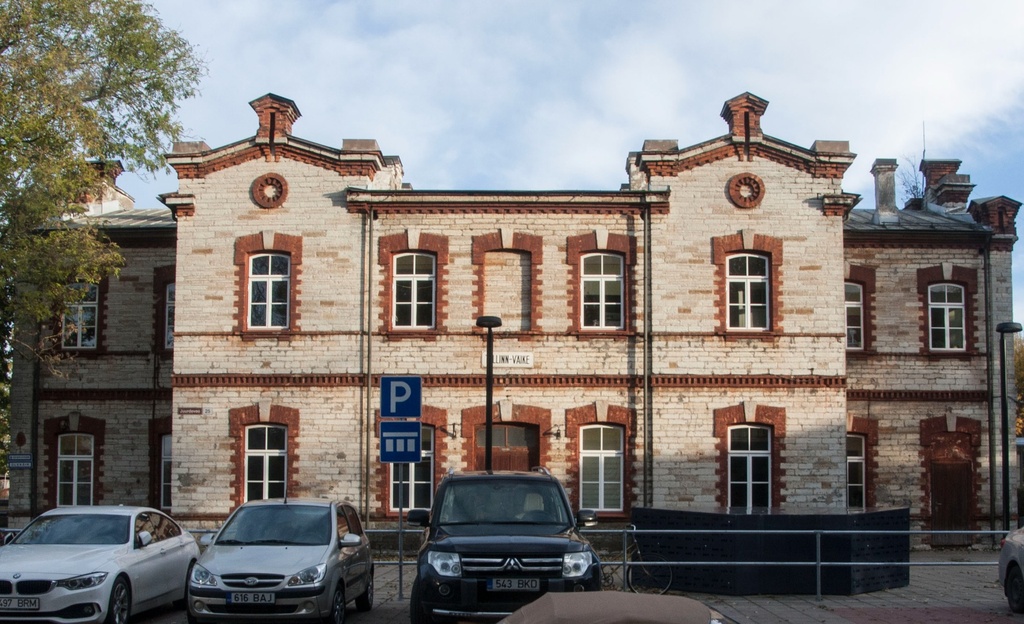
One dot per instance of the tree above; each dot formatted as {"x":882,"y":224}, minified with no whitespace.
{"x":910,"y":180}
{"x":83,"y":84}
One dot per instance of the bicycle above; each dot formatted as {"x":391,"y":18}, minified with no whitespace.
{"x":645,"y":579}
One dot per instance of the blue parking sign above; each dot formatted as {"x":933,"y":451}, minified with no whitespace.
{"x":400,"y":397}
{"x":400,"y":442}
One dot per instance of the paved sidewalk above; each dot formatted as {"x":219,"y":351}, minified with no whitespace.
{"x":937,"y":594}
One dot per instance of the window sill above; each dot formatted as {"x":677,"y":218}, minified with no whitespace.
{"x":251,"y":335}
{"x":412,"y":334}
{"x":614,"y":334}
{"x":766,"y":336}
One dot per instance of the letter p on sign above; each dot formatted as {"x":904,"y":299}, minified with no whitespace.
{"x":400,"y":397}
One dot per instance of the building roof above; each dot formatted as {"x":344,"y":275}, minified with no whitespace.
{"x":138,"y":218}
{"x":861,"y":221}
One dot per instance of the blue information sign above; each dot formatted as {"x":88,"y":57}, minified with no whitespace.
{"x":400,"y":397}
{"x":400,"y":441}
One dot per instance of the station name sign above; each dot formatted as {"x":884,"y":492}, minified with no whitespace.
{"x":509,"y":360}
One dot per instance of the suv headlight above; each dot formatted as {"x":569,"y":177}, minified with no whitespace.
{"x":201,"y":576}
{"x":309,"y":576}
{"x":575,"y":565}
{"x":446,"y":563}
{"x":86,"y":581}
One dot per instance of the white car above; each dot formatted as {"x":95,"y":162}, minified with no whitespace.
{"x":1011,"y":574}
{"x":94,"y":564}
{"x":294,"y":559}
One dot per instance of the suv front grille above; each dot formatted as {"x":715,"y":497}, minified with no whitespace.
{"x":538,"y":566}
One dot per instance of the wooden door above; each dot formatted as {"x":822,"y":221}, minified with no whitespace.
{"x":513,"y":447}
{"x":952,"y":488}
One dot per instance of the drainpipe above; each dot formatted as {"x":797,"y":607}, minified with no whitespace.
{"x":368,"y":290}
{"x":33,"y":489}
{"x":989,"y":364}
{"x":648,"y":362}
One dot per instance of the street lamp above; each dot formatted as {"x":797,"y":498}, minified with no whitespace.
{"x":490,"y":322}
{"x":1003,"y":329}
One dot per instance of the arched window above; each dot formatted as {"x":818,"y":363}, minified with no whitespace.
{"x":750,"y":457}
{"x":269,"y":292}
{"x":414,"y":290}
{"x":747,"y":282}
{"x":601,"y":467}
{"x":74,"y":469}
{"x":602,"y":288}
{"x":266,"y":451}
{"x":412,"y":485}
{"x":946,"y":317}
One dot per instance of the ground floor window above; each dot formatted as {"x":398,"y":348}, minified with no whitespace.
{"x":265,"y":459}
{"x":855,"y":478}
{"x":74,"y":469}
{"x":412,"y":485}
{"x":750,"y":466}
{"x":601,"y":467}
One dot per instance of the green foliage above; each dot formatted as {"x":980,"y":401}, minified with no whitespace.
{"x":82,"y":83}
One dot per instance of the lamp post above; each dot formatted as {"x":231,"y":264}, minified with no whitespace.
{"x":490,"y":322}
{"x":1003,"y":329}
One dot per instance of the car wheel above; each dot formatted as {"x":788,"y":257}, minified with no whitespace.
{"x":1015,"y":590}
{"x":337,"y":614}
{"x":120,"y":607}
{"x":191,"y":619}
{"x":416,"y":613}
{"x":183,"y":601}
{"x":364,"y":601}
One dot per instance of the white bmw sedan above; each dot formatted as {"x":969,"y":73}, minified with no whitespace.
{"x":94,"y":564}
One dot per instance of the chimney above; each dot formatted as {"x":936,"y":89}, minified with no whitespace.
{"x":277,"y":114}
{"x":884,"y":170}
{"x":743,"y":114}
{"x":945,"y":187}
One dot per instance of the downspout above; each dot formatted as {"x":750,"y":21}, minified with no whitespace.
{"x":648,"y":362}
{"x":33,"y":489}
{"x":364,"y":495}
{"x":989,"y":365}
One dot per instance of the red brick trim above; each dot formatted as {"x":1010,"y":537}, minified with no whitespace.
{"x":818,"y":168}
{"x":245,"y":247}
{"x":869,"y":429}
{"x":578,"y":246}
{"x":106,"y":394}
{"x":162,"y":278}
{"x":388,"y":248}
{"x":261,"y":195}
{"x":432,"y":416}
{"x":941,"y":396}
{"x":773,"y":417}
{"x":158,"y":427}
{"x":363,"y":168}
{"x":473,"y":417}
{"x":53,"y":428}
{"x":239,"y":419}
{"x":527,"y":243}
{"x":745,"y":190}
{"x":961,"y":276}
{"x":961,"y":445}
{"x":623,"y":417}
{"x":865,"y":277}
{"x":724,"y":246}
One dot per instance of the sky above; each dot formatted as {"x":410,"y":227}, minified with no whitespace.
{"x":554,"y":94}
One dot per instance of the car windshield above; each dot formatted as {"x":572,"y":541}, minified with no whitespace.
{"x":278,"y":525}
{"x":76,"y":529}
{"x":497,"y":501}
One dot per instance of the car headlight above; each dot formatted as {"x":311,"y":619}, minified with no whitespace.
{"x":309,"y":576}
{"x":575,"y":565}
{"x":201,"y":576}
{"x":86,"y":581}
{"x":446,"y":563}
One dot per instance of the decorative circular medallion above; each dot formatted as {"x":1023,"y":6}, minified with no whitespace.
{"x":269,"y":190}
{"x":746,"y":190}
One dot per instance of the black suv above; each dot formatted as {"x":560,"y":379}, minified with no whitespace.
{"x":496,"y":541}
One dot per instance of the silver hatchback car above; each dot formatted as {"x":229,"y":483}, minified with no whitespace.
{"x":301,"y":559}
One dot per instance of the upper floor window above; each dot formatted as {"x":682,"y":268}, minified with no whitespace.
{"x":747,"y":280}
{"x":750,"y":466}
{"x":414,"y":291}
{"x":269,"y":292}
{"x":946,"y":317}
{"x":266,"y":450}
{"x":854,"y":316}
{"x":602,"y":287}
{"x":601,"y":467}
{"x":169,"y":317}
{"x":412,"y":485}
{"x":855,"y":475}
{"x":74,"y":469}
{"x":80,"y":320}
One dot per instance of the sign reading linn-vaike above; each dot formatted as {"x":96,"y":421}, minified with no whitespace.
{"x":509,"y":360}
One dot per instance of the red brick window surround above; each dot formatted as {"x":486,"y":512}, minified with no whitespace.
{"x":772,"y":418}
{"x":944,"y":292}
{"x":160,"y":485}
{"x":247,"y":247}
{"x":863,"y":278}
{"x":74,"y":423}
{"x":617,"y":416}
{"x":239,"y":421}
{"x":739,"y":245}
{"x":867,"y":430}
{"x":520,"y":242}
{"x":578,"y":250}
{"x":394,"y":246}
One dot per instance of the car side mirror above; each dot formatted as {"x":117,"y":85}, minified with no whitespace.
{"x":144,"y":539}
{"x":586,"y":517}
{"x":350,"y":540}
{"x":206,"y":539}
{"x":418,"y":517}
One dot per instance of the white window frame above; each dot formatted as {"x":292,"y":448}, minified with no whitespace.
{"x":749,"y":458}
{"x":417,"y":470}
{"x":609,"y":274}
{"x":947,"y":320}
{"x":77,"y":321}
{"x":76,"y":469}
{"x":169,"y":294}
{"x":166,"y":489}
{"x":272,"y":282}
{"x":603,"y":456}
{"x":270,"y":488}
{"x":855,"y":459}
{"x":740,"y":300}
{"x":413,"y":303}
{"x":854,"y":296}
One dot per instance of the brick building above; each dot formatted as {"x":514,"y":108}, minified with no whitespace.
{"x":725,"y":330}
